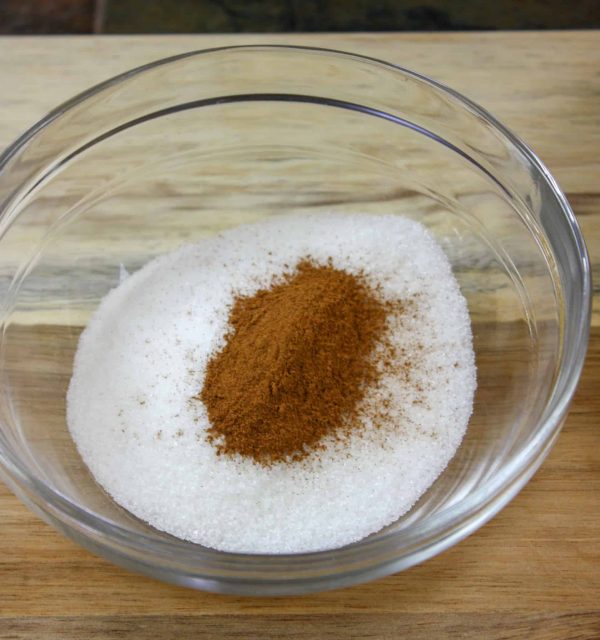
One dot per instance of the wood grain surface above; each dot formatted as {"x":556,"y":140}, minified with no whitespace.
{"x":534,"y":570}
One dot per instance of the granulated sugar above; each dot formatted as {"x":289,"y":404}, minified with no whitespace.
{"x":132,"y":411}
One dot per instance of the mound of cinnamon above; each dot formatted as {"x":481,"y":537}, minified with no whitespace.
{"x":296,"y":364}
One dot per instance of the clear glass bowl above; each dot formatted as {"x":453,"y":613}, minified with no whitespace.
{"x":185,"y":147}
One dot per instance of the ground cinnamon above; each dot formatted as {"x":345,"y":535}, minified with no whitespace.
{"x":296,"y":364}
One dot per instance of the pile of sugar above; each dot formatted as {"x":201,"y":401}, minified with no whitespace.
{"x":142,"y":358}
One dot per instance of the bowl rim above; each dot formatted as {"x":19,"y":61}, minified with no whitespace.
{"x":459,"y":520}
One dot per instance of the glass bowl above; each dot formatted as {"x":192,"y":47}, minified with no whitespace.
{"x":185,"y":147}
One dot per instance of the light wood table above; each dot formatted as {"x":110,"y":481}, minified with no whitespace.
{"x":534,"y":571}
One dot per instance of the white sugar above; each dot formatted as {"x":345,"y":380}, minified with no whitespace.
{"x":142,"y":358}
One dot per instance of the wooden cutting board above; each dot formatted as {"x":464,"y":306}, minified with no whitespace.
{"x":533,"y":571}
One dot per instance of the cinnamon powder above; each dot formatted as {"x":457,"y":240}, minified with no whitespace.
{"x":297,"y":361}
